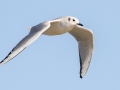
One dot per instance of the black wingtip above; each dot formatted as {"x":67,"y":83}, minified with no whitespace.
{"x":1,"y":61}
{"x":80,"y":66}
{"x":81,"y":76}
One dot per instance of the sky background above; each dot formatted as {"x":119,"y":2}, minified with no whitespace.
{"x":52,"y":62}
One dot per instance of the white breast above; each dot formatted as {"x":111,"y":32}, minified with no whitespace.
{"x":56,"y":29}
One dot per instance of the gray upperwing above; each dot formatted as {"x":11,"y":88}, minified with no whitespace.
{"x":84,"y":38}
{"x":35,"y":32}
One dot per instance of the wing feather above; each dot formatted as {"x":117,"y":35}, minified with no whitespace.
{"x":35,"y":32}
{"x":84,"y":38}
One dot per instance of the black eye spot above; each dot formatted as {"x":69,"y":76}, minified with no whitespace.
{"x":73,"y":19}
{"x":68,"y":19}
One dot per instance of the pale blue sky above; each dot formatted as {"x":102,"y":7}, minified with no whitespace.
{"x":52,"y":63}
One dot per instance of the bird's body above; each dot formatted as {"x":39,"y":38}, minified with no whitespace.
{"x":59,"y":26}
{"x":54,"y":30}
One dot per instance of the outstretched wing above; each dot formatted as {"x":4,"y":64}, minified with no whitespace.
{"x":84,"y":38}
{"x":35,"y":32}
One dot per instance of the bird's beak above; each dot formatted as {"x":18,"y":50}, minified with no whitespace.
{"x":80,"y":24}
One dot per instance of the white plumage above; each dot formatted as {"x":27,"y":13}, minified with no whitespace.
{"x":59,"y":26}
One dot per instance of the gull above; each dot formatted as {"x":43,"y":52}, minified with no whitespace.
{"x":59,"y":26}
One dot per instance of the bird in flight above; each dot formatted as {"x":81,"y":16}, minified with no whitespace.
{"x":60,"y":26}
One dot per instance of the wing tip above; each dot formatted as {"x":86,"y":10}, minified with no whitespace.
{"x":80,"y":66}
{"x":81,"y":76}
{"x":1,"y":62}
